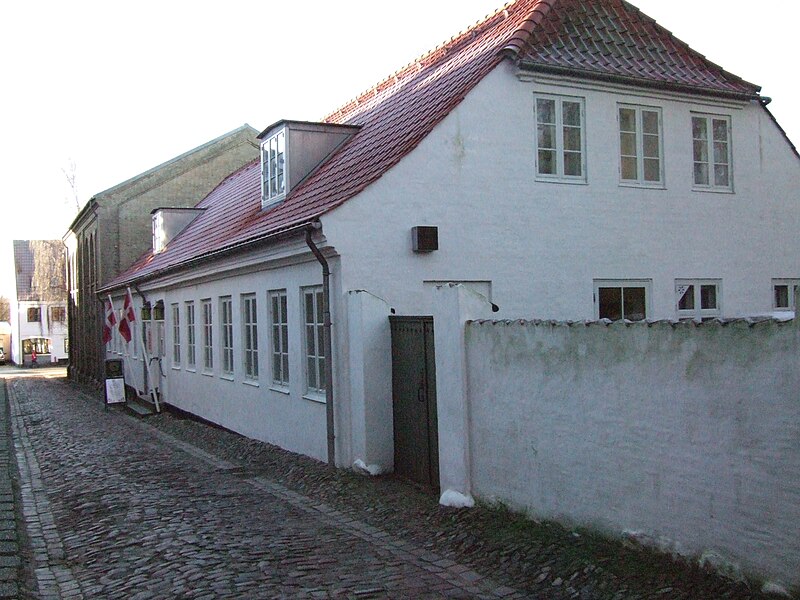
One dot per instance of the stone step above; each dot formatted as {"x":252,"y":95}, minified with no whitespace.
{"x":141,"y":406}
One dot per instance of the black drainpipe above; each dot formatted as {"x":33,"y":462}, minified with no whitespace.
{"x":326,"y":333}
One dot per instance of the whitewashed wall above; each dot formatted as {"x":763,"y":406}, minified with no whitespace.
{"x":289,"y":418}
{"x":688,"y":434}
{"x":540,"y":244}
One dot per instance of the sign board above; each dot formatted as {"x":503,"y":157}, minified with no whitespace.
{"x":115,"y":381}
{"x":115,"y":391}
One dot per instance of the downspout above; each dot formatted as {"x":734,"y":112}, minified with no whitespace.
{"x":326,"y":334}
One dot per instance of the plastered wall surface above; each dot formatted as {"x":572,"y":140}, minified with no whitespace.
{"x":542,"y":244}
{"x":688,"y":434}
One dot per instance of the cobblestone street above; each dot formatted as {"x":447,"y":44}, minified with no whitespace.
{"x":118,"y":507}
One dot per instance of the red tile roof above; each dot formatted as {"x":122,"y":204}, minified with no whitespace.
{"x":612,"y":39}
{"x":595,"y":37}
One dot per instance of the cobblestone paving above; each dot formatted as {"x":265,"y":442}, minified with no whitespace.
{"x":116,"y":509}
{"x":9,"y":546}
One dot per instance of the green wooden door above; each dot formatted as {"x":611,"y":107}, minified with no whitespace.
{"x":416,"y":443}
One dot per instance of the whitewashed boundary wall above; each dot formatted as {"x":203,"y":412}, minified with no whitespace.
{"x":688,"y":434}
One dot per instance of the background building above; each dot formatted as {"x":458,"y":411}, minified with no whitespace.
{"x":114,"y":228}
{"x":39,"y":307}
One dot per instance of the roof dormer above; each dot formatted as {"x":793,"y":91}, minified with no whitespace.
{"x":292,"y":150}
{"x":169,"y":222}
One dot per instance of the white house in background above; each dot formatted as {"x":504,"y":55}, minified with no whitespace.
{"x":39,"y":307}
{"x":568,"y":159}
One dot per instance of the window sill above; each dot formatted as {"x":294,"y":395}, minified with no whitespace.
{"x":540,"y":179}
{"x":314,"y":397}
{"x":226,"y":377}
{"x":251,"y":383}
{"x":208,"y":373}
{"x":711,"y":190}
{"x":176,"y":368}
{"x":191,"y":370}
{"x":272,"y":202}
{"x":280,"y":389}
{"x":642,"y":186}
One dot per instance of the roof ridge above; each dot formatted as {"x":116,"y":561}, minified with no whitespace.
{"x":419,"y":62}
{"x":520,"y":38}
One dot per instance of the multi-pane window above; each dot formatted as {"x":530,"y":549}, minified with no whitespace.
{"x":58,"y":314}
{"x":250,"y":323}
{"x":208,"y":336}
{"x":314,"y":332}
{"x":560,"y":138}
{"x":176,"y":335}
{"x":226,"y":320}
{"x":190,"y":336}
{"x":280,"y":338}
{"x":783,"y":293}
{"x":627,"y":299}
{"x":34,"y":314}
{"x":712,"y":152}
{"x":698,"y":298}
{"x":273,"y":168}
{"x":640,"y":145}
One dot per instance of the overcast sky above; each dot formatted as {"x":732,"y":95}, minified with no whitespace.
{"x":115,"y":88}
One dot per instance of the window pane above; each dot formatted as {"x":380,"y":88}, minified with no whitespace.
{"x":276,"y":367}
{"x":610,"y":303}
{"x":627,"y":142}
{"x":309,"y":308}
{"x":721,"y":153}
{"x":686,"y":297}
{"x":571,"y":114}
{"x":720,"y":130}
{"x":651,"y":148}
{"x":572,"y":163}
{"x":546,"y":136}
{"x":321,"y":365}
{"x":285,"y":337}
{"x":650,"y":122}
{"x":701,"y":173}
{"x":781,"y":296}
{"x":572,"y":138}
{"x":285,"y":371}
{"x":547,"y":162}
{"x":545,"y":111}
{"x":320,"y":307}
{"x":699,"y":128}
{"x":652,"y":169}
{"x":629,"y":168}
{"x":312,"y":374}
{"x":634,"y":303}
{"x":721,"y":175}
{"x":627,"y":119}
{"x":708,"y":297}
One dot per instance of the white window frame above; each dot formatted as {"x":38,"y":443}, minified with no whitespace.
{"x":710,"y":155}
{"x":559,"y":175}
{"x":698,"y":312}
{"x":314,"y":350}
{"x":279,"y":329}
{"x":250,"y":336}
{"x":208,"y":335}
{"x":640,"y":135}
{"x":272,"y":195}
{"x":191,"y":337}
{"x":647,"y":284}
{"x":176,"y":336}
{"x":792,"y":283}
{"x":226,"y":333}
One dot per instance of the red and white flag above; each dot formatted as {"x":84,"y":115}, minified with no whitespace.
{"x":110,"y":321}
{"x":128,"y":317}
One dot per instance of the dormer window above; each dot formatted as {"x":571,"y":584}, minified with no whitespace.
{"x":273,"y":168}
{"x":159,"y":235}
{"x":292,"y":150}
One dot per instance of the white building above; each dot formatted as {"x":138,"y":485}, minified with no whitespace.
{"x":39,"y":307}
{"x":576,"y":161}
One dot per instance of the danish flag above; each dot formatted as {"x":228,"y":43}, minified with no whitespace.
{"x":128,"y":317}
{"x":110,"y":321}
